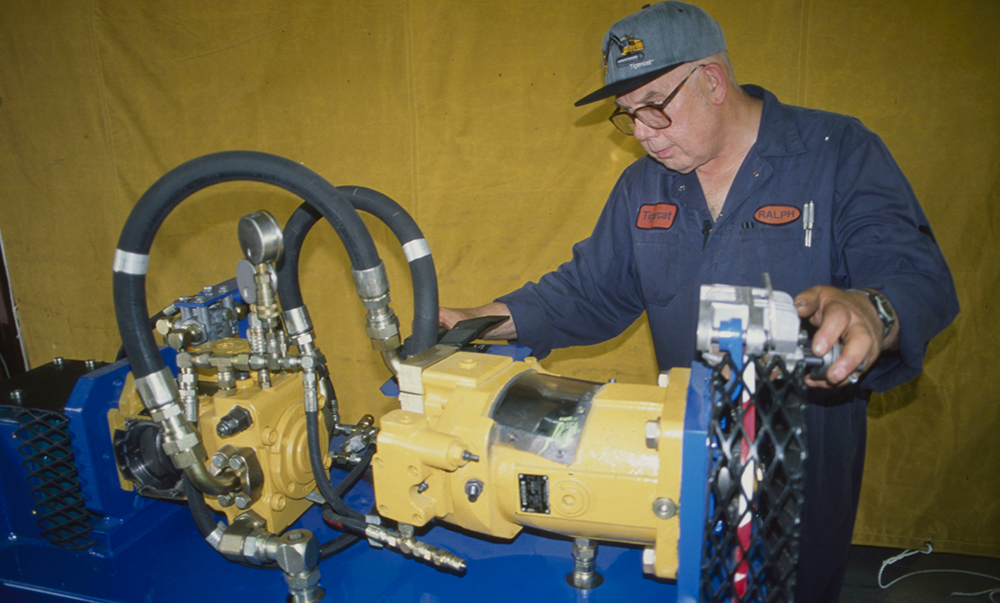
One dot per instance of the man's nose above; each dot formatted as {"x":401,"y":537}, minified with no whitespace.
{"x":642,"y":131}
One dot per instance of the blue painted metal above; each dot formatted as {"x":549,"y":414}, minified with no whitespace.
{"x":694,"y":485}
{"x":151,"y":551}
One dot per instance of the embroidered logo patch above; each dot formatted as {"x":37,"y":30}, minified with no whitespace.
{"x":630,"y":49}
{"x":777,"y":215}
{"x":659,"y":216}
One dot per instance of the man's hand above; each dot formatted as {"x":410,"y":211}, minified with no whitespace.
{"x":449,"y":317}
{"x":847,"y":316}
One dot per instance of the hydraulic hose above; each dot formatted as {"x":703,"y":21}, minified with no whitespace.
{"x":158,"y":389}
{"x":332,"y":496}
{"x":415,"y":248}
{"x":132,"y":255}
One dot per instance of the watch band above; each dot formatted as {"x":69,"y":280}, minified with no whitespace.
{"x":886,"y":313}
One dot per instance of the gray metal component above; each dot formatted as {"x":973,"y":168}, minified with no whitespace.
{"x":649,"y":561}
{"x":473,"y":489}
{"x":245,"y":273}
{"x":653,"y":434}
{"x":584,"y":575}
{"x":297,"y":321}
{"x":157,"y":389}
{"x":411,"y":547}
{"x":187,"y":385}
{"x":770,"y":322}
{"x":236,"y":420}
{"x":372,"y":283}
{"x":309,"y":392}
{"x":243,"y":464}
{"x":260,"y":237}
{"x":664,"y":508}
{"x":211,"y":314}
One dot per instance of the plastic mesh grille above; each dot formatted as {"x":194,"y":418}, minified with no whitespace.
{"x":62,"y":514}
{"x":756,"y":479}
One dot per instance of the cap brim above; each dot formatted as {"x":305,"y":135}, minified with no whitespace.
{"x":622,"y":86}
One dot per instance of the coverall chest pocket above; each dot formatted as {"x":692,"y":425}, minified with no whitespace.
{"x":658,"y":264}
{"x":782,"y":251}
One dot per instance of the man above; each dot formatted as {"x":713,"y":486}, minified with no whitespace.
{"x":729,"y":177}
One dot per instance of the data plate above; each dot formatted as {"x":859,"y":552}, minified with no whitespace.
{"x":534,"y":493}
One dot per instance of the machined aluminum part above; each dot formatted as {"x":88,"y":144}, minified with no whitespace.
{"x":297,"y":321}
{"x":260,"y":237}
{"x":371,"y":283}
{"x":309,"y":392}
{"x":157,"y":389}
{"x":412,"y":547}
{"x":768,"y":318}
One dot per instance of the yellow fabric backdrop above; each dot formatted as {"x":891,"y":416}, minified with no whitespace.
{"x":462,"y":111}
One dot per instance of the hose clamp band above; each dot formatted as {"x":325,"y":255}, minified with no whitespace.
{"x":130,"y":263}
{"x":157,"y":389}
{"x":416,"y":249}
{"x":371,"y":283}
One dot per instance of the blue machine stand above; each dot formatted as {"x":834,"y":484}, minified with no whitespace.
{"x":149,"y":550}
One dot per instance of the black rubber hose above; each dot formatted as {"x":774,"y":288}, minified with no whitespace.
{"x":152,"y":327}
{"x":319,"y":472}
{"x":137,"y":236}
{"x":402,"y":225}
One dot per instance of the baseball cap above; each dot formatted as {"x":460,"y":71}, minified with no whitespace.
{"x":645,"y":45}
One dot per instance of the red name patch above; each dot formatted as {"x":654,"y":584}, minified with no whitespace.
{"x":660,"y":216}
{"x":777,"y":214}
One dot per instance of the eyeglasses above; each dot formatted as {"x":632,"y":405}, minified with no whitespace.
{"x":653,"y":115}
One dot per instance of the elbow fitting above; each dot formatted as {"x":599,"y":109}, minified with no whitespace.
{"x":160,"y":395}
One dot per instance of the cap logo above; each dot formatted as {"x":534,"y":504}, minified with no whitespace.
{"x":630,"y":50}
{"x":777,"y":215}
{"x":660,"y":216}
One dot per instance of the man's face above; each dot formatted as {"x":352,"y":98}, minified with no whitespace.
{"x":684,"y":144}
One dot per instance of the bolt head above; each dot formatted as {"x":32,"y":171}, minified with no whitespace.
{"x":664,"y":508}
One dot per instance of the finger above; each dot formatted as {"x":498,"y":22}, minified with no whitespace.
{"x":807,"y":302}
{"x":835,"y":320}
{"x":858,"y":344}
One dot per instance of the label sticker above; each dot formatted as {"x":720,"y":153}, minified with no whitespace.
{"x":659,"y":216}
{"x":777,"y":215}
{"x":534,"y":493}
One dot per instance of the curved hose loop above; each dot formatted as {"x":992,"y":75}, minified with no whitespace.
{"x":132,"y":257}
{"x":153,"y":207}
{"x":402,"y":225}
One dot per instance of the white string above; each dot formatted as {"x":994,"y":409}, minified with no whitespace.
{"x":992,"y":592}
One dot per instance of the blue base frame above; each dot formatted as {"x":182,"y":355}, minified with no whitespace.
{"x":151,"y":551}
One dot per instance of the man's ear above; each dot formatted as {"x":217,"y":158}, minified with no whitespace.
{"x":717,"y":83}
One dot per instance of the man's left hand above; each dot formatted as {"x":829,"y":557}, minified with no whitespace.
{"x":847,"y":316}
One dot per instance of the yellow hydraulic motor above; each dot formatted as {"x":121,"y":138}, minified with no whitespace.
{"x":494,"y":445}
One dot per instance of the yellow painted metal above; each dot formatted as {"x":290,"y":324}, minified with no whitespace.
{"x":278,"y":435}
{"x":607,"y":492}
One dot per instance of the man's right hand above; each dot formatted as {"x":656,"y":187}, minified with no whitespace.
{"x":449,"y":317}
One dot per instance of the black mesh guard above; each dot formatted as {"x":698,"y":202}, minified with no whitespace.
{"x":769,"y":503}
{"x":60,"y":507}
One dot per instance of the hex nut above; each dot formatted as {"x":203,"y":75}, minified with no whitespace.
{"x":649,"y":560}
{"x":652,"y":434}
{"x":303,"y":580}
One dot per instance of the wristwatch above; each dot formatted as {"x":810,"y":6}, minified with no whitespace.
{"x":886,"y":313}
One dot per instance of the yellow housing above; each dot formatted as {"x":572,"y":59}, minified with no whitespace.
{"x":618,"y":478}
